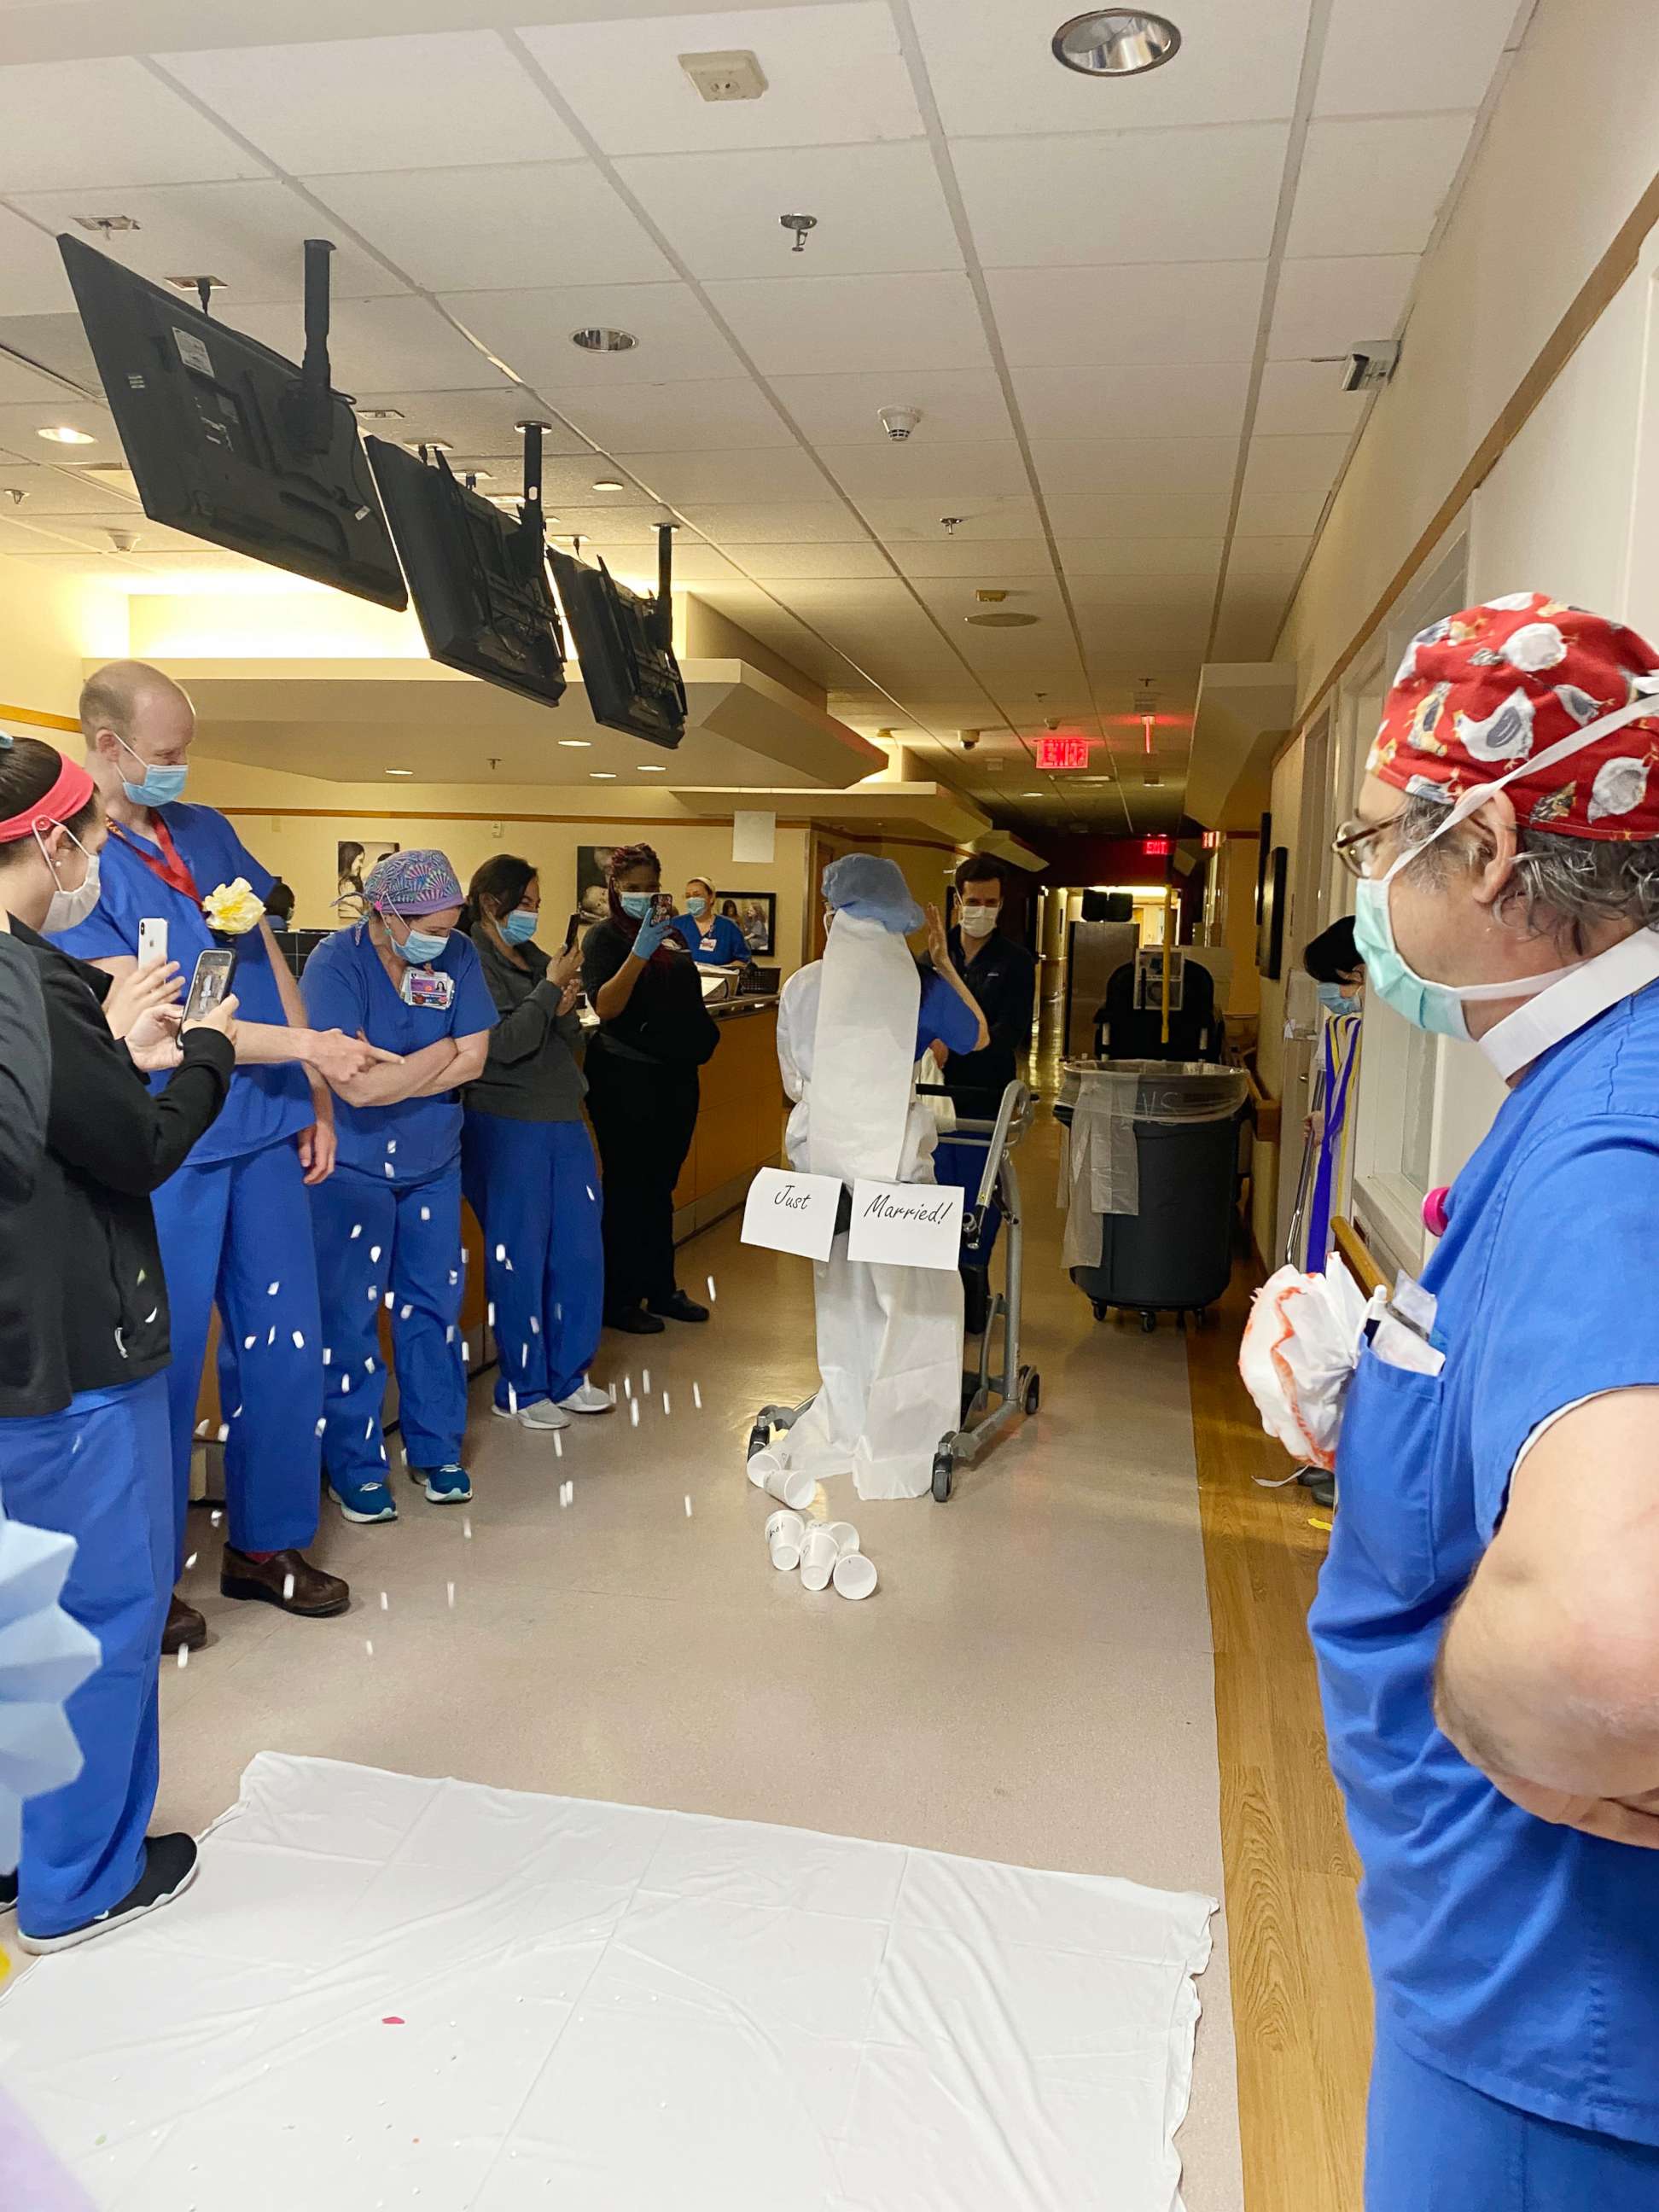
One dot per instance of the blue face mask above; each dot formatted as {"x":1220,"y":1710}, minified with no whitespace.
{"x":1336,"y":1000}
{"x":420,"y":946}
{"x":519,"y":926}
{"x":159,"y":786}
{"x":639,"y":904}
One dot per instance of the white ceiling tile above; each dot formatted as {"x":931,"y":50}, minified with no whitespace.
{"x":1252,"y":615}
{"x":879,"y":208}
{"x":835,"y":76}
{"x":1410,"y":56}
{"x":250,"y":234}
{"x":1180,"y":399}
{"x":1129,"y":559}
{"x":1376,"y":184}
{"x":1077,"y":467}
{"x":49,"y":492}
{"x":1281,"y":513}
{"x":993,"y":69}
{"x":956,"y":404}
{"x":1121,"y":597}
{"x":897,"y":323}
{"x":1266,"y":560}
{"x":987,"y":559}
{"x":32,"y":279}
{"x":676,"y":418}
{"x":484,"y":421}
{"x":20,"y":537}
{"x":1186,"y":312}
{"x":489,"y":229}
{"x":1326,"y":307}
{"x":618,"y":522}
{"x":1131,"y":196}
{"x":1145,"y":512}
{"x":530,"y":330}
{"x":444,"y":100}
{"x":19,"y":382}
{"x":1294,"y":464}
{"x":98,"y":126}
{"x":54,"y":342}
{"x":823,"y":522}
{"x":983,"y":519}
{"x":744,"y":473}
{"x":950,"y":474}
{"x":1305,"y":399}
{"x":769,"y":563}
{"x":377,"y":345}
{"x":636,"y":561}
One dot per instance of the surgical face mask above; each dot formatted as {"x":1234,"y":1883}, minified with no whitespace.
{"x":978,"y":921}
{"x":641,"y":905}
{"x":520,"y":925}
{"x":159,"y":787}
{"x":697,"y":901}
{"x":1336,"y":1000}
{"x":69,"y":908}
{"x":421,"y":946}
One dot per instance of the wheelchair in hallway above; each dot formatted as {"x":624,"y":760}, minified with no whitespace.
{"x":999,"y":1391}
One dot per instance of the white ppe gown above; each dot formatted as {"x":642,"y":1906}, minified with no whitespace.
{"x":890,"y":1340}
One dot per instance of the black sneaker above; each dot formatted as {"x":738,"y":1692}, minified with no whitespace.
{"x":678,"y":1308}
{"x":170,"y":1865}
{"x":8,"y":1891}
{"x":634,"y":1320}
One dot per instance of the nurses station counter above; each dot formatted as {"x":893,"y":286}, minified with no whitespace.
{"x":740,"y":1128}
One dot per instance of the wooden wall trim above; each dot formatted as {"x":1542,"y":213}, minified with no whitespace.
{"x":1594,"y":297}
{"x":39,"y":721}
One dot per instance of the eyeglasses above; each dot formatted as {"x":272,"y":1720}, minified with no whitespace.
{"x":1354,"y":844}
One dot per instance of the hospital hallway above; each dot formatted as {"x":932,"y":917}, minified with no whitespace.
{"x":1037,"y":1680}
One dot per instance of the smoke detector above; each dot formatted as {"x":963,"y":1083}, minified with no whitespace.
{"x":123,"y":541}
{"x":721,"y":76}
{"x":899,"y":421}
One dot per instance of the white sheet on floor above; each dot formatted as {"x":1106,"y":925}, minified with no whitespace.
{"x":388,"y":1991}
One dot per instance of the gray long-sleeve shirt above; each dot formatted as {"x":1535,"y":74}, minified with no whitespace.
{"x":533,"y":1072}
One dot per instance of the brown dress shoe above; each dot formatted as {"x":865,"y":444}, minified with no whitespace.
{"x":286,"y":1579}
{"x":185,"y":1631}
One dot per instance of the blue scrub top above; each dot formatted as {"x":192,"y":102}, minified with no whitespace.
{"x":1518,"y":1958}
{"x":714,"y":943}
{"x":266,"y":1104}
{"x":346,"y":986}
{"x":943,"y":1018}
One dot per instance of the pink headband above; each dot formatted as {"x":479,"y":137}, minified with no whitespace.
{"x":62,"y":802}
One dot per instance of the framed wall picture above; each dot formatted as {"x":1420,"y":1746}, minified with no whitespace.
{"x":755,"y":913}
{"x":353,"y":862}
{"x":1270,"y":925}
{"x":1264,"y":846}
{"x":593,"y":877}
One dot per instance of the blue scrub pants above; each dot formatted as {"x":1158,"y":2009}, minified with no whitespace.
{"x":100,"y":1471}
{"x":229,"y":1229}
{"x":416,"y":1229}
{"x":962,"y":1166}
{"x":1434,"y":2145}
{"x":535,"y":1188}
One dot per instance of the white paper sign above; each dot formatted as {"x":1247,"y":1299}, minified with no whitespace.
{"x":906,"y":1224}
{"x":789,"y":1212}
{"x":754,"y":836}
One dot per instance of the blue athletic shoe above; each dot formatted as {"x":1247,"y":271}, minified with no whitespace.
{"x":364,"y":1501}
{"x":445,"y":1485}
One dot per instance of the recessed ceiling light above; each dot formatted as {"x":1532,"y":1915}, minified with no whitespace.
{"x":400,"y":771}
{"x":583,"y":742}
{"x":599,"y":339}
{"x":1004,"y":621}
{"x":62,"y":434}
{"x":603,"y":774}
{"x":607,"y":484}
{"x":1115,"y":42}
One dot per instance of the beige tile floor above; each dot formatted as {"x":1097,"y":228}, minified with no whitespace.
{"x":1031,"y":1683}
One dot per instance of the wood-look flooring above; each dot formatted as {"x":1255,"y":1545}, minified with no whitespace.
{"x":1301,"y":1992}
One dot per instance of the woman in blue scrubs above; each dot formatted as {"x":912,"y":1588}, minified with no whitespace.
{"x":527,"y":1163}
{"x":388,"y":1220}
{"x":714,"y":940}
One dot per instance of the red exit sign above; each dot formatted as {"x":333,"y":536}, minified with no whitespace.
{"x":1062,"y":752}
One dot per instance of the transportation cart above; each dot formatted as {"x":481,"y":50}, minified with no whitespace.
{"x":996,"y":1394}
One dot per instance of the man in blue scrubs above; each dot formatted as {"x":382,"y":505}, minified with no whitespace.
{"x":233,"y":1222}
{"x":1487,"y":1622}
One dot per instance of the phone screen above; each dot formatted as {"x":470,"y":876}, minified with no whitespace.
{"x":664,"y":907}
{"x":210,"y":984}
{"x":570,"y":933}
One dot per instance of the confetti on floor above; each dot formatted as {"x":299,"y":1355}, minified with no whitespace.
{"x":426,"y":1213}
{"x":645,"y":1380}
{"x":667,"y":1407}
{"x":184,"y":1656}
{"x":450,"y":1588}
{"x":356,"y":1230}
{"x":288,"y":1588}
{"x":687,"y":1508}
{"x":713,"y":1293}
{"x":634,"y":1412}
{"x":558,"y":1445}
{"x":696,"y":1395}
{"x":192,"y":1560}
{"x":466,"y":1528}
{"x":386,"y":1603}
{"x":368,"y":1645}
{"x":272,"y":1291}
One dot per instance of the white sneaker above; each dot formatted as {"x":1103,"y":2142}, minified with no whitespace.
{"x":589,"y":1399}
{"x":544,"y":1414}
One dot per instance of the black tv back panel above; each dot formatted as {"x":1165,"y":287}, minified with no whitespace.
{"x":625,"y":644}
{"x":227,"y":440}
{"x":479,"y":578}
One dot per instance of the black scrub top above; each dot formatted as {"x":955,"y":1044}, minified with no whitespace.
{"x":1002,"y":977}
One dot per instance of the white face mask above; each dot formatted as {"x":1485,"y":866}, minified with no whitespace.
{"x":978,"y":921}
{"x":69,"y":909}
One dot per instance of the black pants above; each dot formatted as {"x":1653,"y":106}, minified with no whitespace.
{"x":643,"y":1116}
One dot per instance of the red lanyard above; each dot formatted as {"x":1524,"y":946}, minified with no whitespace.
{"x":170,"y":869}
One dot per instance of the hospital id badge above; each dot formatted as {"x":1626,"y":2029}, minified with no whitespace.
{"x":427,"y":987}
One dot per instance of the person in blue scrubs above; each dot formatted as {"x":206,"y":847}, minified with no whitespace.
{"x":388,"y":1220}
{"x":1487,"y":1625}
{"x":84,"y":1448}
{"x":714,"y":940}
{"x":527,"y":1163}
{"x":233,"y":1222}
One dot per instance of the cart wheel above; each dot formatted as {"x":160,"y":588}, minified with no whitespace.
{"x":1148,"y":1322}
{"x":1100,"y":1307}
{"x":759,"y":1436}
{"x":1033,"y":1392}
{"x":945,"y":1475}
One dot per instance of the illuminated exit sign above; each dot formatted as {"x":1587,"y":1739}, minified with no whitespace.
{"x":1062,"y":752}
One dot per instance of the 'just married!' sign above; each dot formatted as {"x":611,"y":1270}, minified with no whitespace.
{"x":789,"y":1212}
{"x":905,"y":1225}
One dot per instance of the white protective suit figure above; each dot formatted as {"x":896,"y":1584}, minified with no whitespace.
{"x":851,"y":1029}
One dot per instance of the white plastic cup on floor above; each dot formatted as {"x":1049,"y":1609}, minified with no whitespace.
{"x":789,"y":1486}
{"x":786,"y":1528}
{"x":846,"y":1536}
{"x":818,"y":1556}
{"x":786,"y":1554}
{"x":855,"y":1577}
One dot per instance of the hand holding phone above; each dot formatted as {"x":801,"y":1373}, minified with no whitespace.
{"x":210,"y":984}
{"x":152,"y":942}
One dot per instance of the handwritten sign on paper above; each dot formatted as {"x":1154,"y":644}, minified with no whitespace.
{"x":789,"y":1212}
{"x":906,"y":1224}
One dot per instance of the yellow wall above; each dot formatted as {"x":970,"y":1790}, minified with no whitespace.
{"x":43,"y":622}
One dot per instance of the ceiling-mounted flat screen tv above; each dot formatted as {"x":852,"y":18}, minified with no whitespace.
{"x":625,"y":644}
{"x":227,"y":440}
{"x":478,"y":576}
